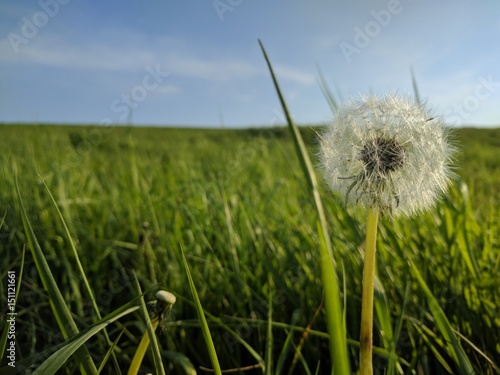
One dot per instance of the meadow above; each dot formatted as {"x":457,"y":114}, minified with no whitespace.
{"x":237,"y":203}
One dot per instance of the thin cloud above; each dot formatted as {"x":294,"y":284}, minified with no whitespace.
{"x":55,"y":51}
{"x":219,"y":70}
{"x":167,"y":89}
{"x":295,"y":75}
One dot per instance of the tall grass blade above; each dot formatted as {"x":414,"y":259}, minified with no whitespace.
{"x":326,"y":91}
{"x":151,"y":327}
{"x":269,"y":343}
{"x":56,"y":360}
{"x":415,"y":87}
{"x":41,"y":356}
{"x":452,"y":344}
{"x":110,"y":351}
{"x":430,"y":338}
{"x":82,"y":276}
{"x":238,"y":338}
{"x":393,"y":359}
{"x":203,"y":321}
{"x":181,"y":360}
{"x":384,"y":322}
{"x":61,"y":311}
{"x":280,"y":365}
{"x":336,"y":325}
{"x":306,"y":369}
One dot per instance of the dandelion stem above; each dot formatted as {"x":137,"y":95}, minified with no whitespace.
{"x":366,"y":337}
{"x":141,"y":350}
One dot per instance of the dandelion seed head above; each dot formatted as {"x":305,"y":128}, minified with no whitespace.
{"x":387,"y":152}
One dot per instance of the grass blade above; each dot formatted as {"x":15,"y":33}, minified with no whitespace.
{"x":203,"y":321}
{"x":393,"y":359}
{"x":429,"y":338}
{"x":415,"y":87}
{"x":56,"y":360}
{"x":452,"y":344}
{"x":269,"y":344}
{"x":336,"y":325}
{"x":41,"y":356}
{"x":383,"y":314}
{"x":233,"y":333}
{"x":110,"y":351}
{"x":384,"y":322}
{"x":151,"y":327}
{"x":61,"y":311}
{"x":181,"y":360}
{"x":288,"y":344}
{"x":238,"y":338}
{"x":82,"y":276}
{"x":332,"y":102}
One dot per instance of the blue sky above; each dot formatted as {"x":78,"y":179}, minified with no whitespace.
{"x":198,"y":63}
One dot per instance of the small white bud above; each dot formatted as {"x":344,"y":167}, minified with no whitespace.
{"x":164,"y":296}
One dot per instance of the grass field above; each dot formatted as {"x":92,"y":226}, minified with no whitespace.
{"x":237,"y":203}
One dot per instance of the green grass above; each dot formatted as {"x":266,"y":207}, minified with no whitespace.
{"x":238,"y":203}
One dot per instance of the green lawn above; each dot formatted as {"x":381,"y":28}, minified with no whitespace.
{"x":237,"y":202}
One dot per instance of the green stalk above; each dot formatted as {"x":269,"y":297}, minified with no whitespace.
{"x":334,"y":316}
{"x":205,"y":330}
{"x":151,"y":338}
{"x":366,"y":336}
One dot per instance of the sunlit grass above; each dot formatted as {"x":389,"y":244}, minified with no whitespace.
{"x":238,"y":202}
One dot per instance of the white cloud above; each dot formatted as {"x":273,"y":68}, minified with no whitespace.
{"x":55,"y":51}
{"x":219,"y":70}
{"x":167,"y":89}
{"x":173,"y":56}
{"x":295,"y":75}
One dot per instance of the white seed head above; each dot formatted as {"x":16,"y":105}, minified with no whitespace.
{"x":164,"y":296}
{"x":387,"y":152}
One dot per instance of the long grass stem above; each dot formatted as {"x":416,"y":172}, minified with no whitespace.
{"x":366,"y":336}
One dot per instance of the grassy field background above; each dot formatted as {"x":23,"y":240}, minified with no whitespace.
{"x":237,"y":202}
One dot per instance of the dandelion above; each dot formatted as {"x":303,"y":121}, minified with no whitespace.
{"x":161,"y":307}
{"x":389,"y":155}
{"x":166,"y":299}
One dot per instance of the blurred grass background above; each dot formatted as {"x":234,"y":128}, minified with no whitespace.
{"x":237,"y":202}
